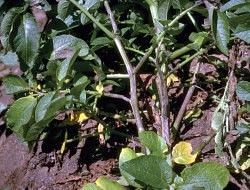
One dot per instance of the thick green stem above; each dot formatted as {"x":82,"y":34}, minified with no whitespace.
{"x":93,"y":19}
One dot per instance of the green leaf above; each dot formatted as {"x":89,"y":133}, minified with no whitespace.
{"x":106,"y":184}
{"x":222,"y":32}
{"x":243,"y":127}
{"x":9,"y":19}
{"x":207,"y":175}
{"x":8,"y":26}
{"x":64,"y":45}
{"x":163,"y":9}
{"x":91,"y":186}
{"x":243,"y":32}
{"x":32,"y":132}
{"x":20,"y":113}
{"x":101,"y":41}
{"x":65,"y":67}
{"x":48,"y":105}
{"x":78,"y":91}
{"x":155,"y":143}
{"x":14,"y":84}
{"x":231,"y":4}
{"x":27,"y":40}
{"x":243,"y":90}
{"x":151,"y":170}
{"x":64,"y":8}
{"x":126,"y":155}
{"x":91,"y":4}
{"x":43,"y":105}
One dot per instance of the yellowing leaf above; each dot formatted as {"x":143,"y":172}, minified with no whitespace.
{"x":194,"y":113}
{"x":76,"y":117}
{"x":99,"y":88}
{"x":63,"y":147}
{"x":39,"y":87}
{"x":172,"y":79}
{"x":245,"y":164}
{"x":108,"y":184}
{"x":182,"y":153}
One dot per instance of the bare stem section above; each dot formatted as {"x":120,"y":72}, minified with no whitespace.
{"x":163,"y":98}
{"x":130,"y":70}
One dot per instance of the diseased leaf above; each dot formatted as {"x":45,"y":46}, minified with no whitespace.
{"x":107,"y":184}
{"x":222,"y":32}
{"x":20,"y":113}
{"x":243,"y":90}
{"x":14,"y":84}
{"x":27,"y":40}
{"x":155,"y":143}
{"x":182,"y":153}
{"x":151,"y":170}
{"x":207,"y":175}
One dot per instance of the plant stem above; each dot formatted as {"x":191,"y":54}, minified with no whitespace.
{"x":144,"y":58}
{"x":130,"y":71}
{"x":201,"y":51}
{"x":183,"y":13}
{"x":93,"y":19}
{"x":182,"y":110}
{"x":163,"y":97}
{"x":140,"y":52}
{"x":117,"y":76}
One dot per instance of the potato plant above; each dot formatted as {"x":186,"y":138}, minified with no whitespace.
{"x":73,"y":54}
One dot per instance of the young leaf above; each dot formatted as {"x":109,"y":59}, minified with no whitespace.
{"x":14,"y":84}
{"x":153,"y":142}
{"x":106,"y":184}
{"x":27,"y":40}
{"x":207,"y":175}
{"x":182,"y":153}
{"x":243,"y":90}
{"x":20,"y":113}
{"x":151,"y":170}
{"x":222,"y":32}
